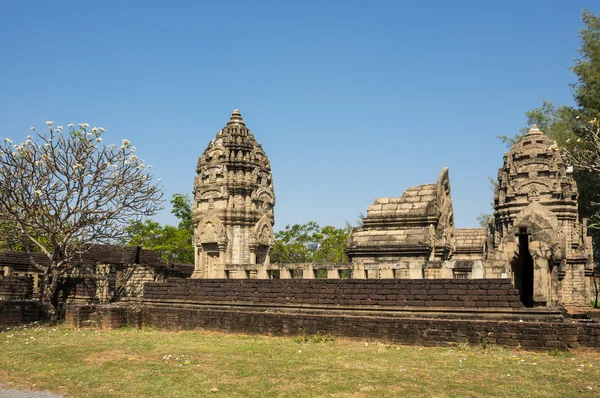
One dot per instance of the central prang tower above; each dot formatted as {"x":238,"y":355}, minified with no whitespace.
{"x":233,"y":204}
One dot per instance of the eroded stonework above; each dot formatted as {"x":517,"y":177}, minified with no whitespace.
{"x":535,"y":237}
{"x":233,"y":203}
{"x":536,"y":233}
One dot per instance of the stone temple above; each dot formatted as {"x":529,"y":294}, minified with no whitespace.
{"x":233,"y":204}
{"x":535,"y":238}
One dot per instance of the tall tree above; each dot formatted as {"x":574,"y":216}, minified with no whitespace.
{"x":309,"y":243}
{"x":174,"y":244}
{"x":62,"y":192}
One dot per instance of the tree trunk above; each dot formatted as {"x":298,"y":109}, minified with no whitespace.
{"x":595,"y":276}
{"x":48,"y":298}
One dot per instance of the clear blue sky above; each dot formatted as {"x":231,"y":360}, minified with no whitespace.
{"x":351,"y":100}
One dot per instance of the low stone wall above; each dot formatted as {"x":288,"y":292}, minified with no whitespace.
{"x":16,"y":313}
{"x":105,"y":316}
{"x":424,"y":312}
{"x":16,"y":287}
{"x":529,"y":335}
{"x":471,"y":293}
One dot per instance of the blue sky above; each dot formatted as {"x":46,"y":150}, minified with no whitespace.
{"x":350,"y":100}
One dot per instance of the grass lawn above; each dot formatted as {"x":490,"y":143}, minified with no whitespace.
{"x":147,"y":363}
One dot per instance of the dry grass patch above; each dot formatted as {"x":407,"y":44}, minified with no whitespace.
{"x":146,"y":363}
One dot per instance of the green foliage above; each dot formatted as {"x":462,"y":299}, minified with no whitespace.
{"x":309,"y":243}
{"x":316,"y":338}
{"x":587,"y":68}
{"x":173,"y":243}
{"x":182,"y":209}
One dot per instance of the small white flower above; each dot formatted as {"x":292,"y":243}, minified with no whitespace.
{"x":76,"y":166}
{"x":49,"y":122}
{"x":70,"y":125}
{"x":101,"y":129}
{"x":59,"y":127}
{"x":38,"y":192}
{"x":99,"y":139}
{"x":7,"y":140}
{"x":95,"y":130}
{"x":140,"y":167}
{"x":126,"y":142}
{"x":32,"y":128}
{"x":159,"y":180}
{"x":133,"y":157}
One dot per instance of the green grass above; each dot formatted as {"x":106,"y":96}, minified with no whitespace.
{"x":146,"y":363}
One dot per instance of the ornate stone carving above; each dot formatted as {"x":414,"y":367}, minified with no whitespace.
{"x":233,"y":192}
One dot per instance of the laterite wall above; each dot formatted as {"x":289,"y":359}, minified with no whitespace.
{"x":472,"y":293}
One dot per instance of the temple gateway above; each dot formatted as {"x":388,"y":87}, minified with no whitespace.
{"x":535,"y":238}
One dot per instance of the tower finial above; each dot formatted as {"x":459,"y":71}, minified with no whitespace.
{"x":534,"y":130}
{"x":236,"y":118}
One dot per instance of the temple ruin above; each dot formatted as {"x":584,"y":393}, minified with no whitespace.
{"x":233,"y":204}
{"x":535,"y":238}
{"x":412,"y":277}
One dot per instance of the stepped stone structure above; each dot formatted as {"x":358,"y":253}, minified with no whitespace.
{"x":233,"y":204}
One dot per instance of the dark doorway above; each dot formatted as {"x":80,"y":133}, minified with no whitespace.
{"x":523,"y":270}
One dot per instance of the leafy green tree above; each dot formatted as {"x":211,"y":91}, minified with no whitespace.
{"x":173,"y":243}
{"x":309,"y":243}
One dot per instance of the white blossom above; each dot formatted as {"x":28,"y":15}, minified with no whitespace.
{"x":7,"y":140}
{"x":38,"y":192}
{"x":95,"y":130}
{"x":99,"y":139}
{"x":101,"y":129}
{"x":49,"y":122}
{"x":71,"y":125}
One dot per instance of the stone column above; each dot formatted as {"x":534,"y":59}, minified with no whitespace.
{"x":308,"y":272}
{"x":199,"y":258}
{"x":415,"y":270}
{"x":284,"y":273}
{"x":386,"y":273}
{"x":541,"y":281}
{"x":333,"y":274}
{"x":478,"y":270}
{"x":36,"y":281}
{"x":220,"y":265}
{"x":446,"y":273}
{"x":358,"y":272}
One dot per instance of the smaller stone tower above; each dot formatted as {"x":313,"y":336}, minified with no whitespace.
{"x":233,"y":203}
{"x":537,"y":232}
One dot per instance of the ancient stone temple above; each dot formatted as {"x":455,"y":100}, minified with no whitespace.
{"x":233,"y":203}
{"x":401,"y":235}
{"x":535,"y":238}
{"x":536,"y":234}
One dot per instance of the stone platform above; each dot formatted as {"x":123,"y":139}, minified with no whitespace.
{"x":425,"y":312}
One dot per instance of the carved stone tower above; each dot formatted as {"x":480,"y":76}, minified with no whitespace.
{"x":233,"y":204}
{"x":537,"y":231}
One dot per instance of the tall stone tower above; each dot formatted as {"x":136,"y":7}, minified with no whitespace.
{"x":537,"y":232}
{"x":233,"y":204}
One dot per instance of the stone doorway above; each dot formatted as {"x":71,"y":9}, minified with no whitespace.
{"x":523,"y":269}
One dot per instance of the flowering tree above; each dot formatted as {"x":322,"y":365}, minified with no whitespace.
{"x":584,"y":152}
{"x":62,"y":192}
